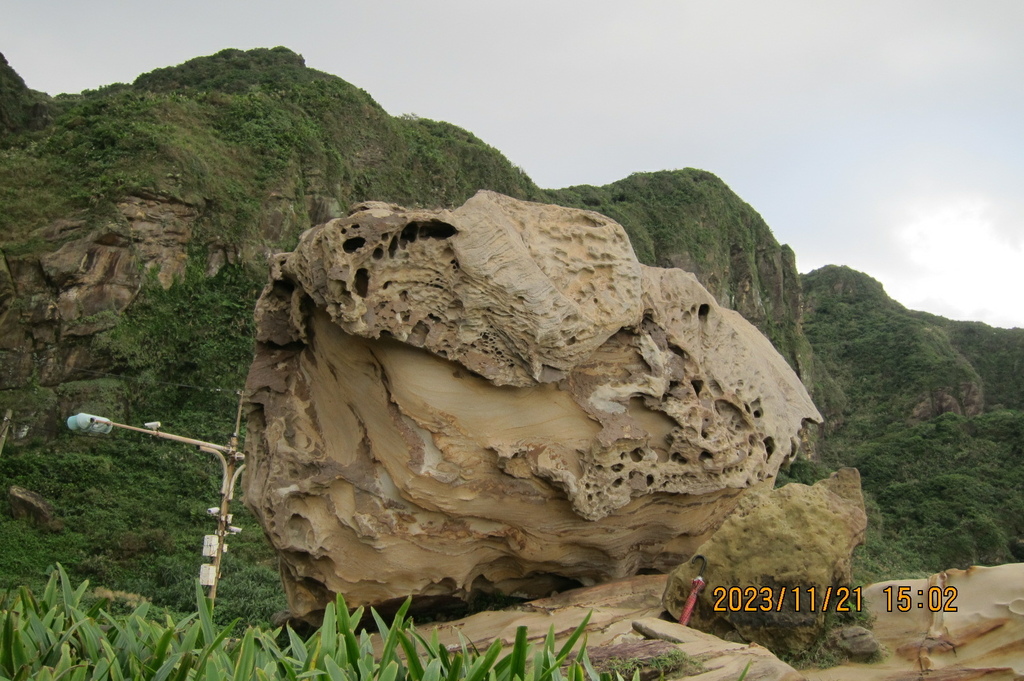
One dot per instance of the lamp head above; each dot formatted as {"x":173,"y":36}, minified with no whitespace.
{"x":87,"y":423}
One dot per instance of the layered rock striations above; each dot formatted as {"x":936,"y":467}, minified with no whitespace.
{"x":498,"y":397}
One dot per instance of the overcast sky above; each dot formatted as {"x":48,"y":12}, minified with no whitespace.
{"x":887,"y":136}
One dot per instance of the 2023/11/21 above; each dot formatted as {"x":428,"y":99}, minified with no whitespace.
{"x":786,"y":599}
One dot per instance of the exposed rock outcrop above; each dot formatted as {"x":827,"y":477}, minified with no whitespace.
{"x":795,"y":537}
{"x":854,"y":643}
{"x":720,"y":660}
{"x":958,"y":625}
{"x":52,"y":304}
{"x":967,"y":401}
{"x":29,"y":505}
{"x":498,"y":397}
{"x":623,"y":621}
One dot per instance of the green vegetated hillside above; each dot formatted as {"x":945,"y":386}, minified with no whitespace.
{"x":254,"y":147}
{"x":925,"y":408}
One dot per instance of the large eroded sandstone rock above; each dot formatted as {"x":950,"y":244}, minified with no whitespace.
{"x":498,"y":396}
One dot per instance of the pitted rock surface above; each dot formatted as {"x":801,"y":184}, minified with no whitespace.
{"x":498,"y":397}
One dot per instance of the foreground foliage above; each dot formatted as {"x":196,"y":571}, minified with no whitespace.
{"x":54,"y":636}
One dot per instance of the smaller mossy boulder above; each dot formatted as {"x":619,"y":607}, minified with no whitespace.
{"x":781,"y":542}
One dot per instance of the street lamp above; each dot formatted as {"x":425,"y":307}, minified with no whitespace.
{"x":214,"y":546}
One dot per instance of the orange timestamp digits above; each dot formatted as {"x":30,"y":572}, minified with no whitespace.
{"x":935,"y":599}
{"x":800,"y":599}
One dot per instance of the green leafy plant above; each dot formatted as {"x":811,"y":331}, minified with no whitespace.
{"x":56,"y":637}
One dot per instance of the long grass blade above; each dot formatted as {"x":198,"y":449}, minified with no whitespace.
{"x":480,"y":668}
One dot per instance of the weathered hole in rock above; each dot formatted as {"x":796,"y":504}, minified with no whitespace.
{"x":435,"y":229}
{"x":702,"y":312}
{"x":732,"y":417}
{"x":354,"y":244}
{"x":707,"y":457}
{"x":408,"y":235}
{"x":637,"y":455}
{"x":338,"y":288}
{"x":697,"y":386}
{"x":362,"y":282}
{"x":755,"y":408}
{"x":683,"y":354}
{"x":378,"y":253}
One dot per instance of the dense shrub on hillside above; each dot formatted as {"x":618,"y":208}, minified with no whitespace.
{"x":949,"y":492}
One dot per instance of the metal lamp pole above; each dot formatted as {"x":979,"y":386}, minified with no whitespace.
{"x":229,"y":458}
{"x":4,"y":427}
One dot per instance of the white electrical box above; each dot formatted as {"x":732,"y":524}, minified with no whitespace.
{"x":207,"y":575}
{"x":210,"y":542}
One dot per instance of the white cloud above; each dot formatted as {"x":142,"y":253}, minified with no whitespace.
{"x":958,"y":261}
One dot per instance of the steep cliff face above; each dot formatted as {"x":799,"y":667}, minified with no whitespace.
{"x":498,"y":397}
{"x":21,"y":109}
{"x":55,"y":303}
